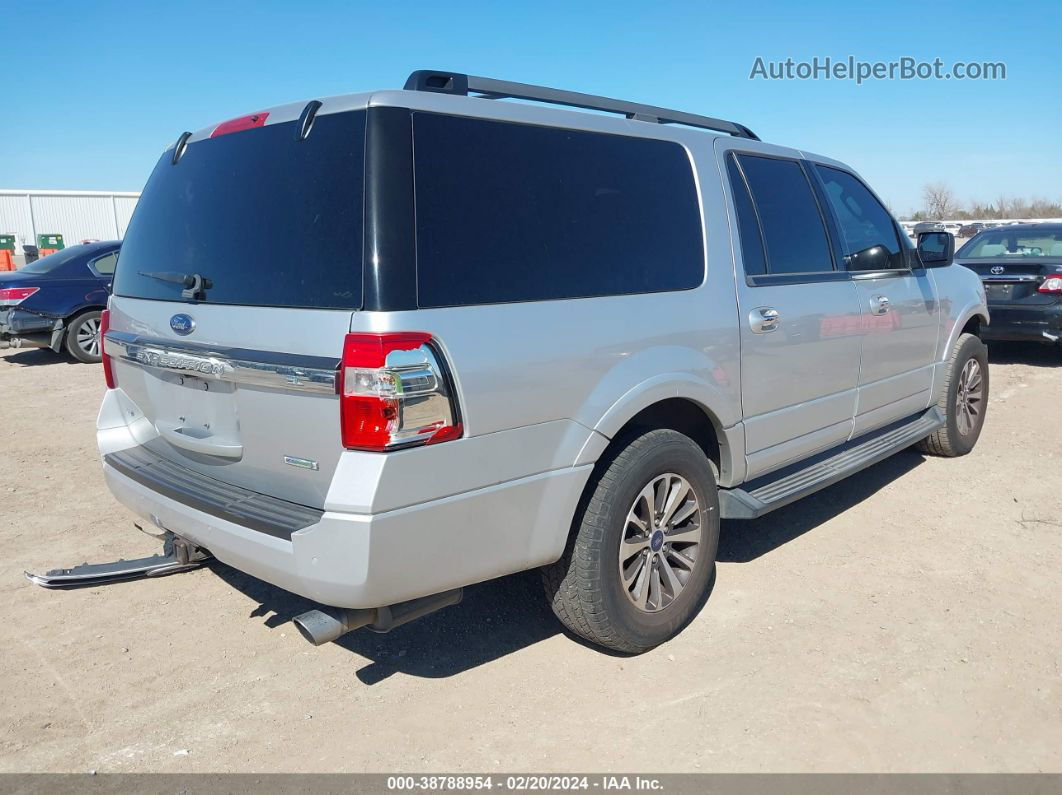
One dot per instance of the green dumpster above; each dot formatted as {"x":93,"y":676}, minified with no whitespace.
{"x":49,"y":244}
{"x":7,"y":252}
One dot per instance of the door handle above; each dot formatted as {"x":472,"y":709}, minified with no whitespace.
{"x":879,"y":305}
{"x":763,"y":319}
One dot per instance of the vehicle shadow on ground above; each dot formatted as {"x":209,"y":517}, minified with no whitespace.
{"x":503,"y":616}
{"x":744,"y":541}
{"x":494,"y":619}
{"x":1033,"y":354}
{"x":35,"y":357}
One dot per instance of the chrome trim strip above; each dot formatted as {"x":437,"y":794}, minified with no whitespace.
{"x":891,"y":273}
{"x":1017,"y":277}
{"x":290,"y":372}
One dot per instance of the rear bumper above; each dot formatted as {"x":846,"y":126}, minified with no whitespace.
{"x":1030,"y":323}
{"x":27,"y":328}
{"x":370,"y":560}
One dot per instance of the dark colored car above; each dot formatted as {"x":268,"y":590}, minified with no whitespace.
{"x":1021,"y":267}
{"x":56,"y":301}
{"x":923,"y":227}
{"x":969,"y":230}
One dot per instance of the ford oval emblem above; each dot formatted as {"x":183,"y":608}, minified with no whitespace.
{"x":182,"y":324}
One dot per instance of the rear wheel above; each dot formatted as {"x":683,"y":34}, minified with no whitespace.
{"x":963,"y":402}
{"x":641,"y":559}
{"x":83,"y":337}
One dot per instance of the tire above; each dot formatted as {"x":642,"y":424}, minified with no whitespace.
{"x":82,"y":337}
{"x":957,"y":436}
{"x":586,"y":588}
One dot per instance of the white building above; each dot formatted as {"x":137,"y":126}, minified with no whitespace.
{"x":75,"y":214}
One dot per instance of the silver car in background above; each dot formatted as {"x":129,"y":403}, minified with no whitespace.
{"x":378,"y":347}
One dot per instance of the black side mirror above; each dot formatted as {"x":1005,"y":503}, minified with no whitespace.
{"x":936,"y":249}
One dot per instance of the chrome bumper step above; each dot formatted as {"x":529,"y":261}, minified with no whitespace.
{"x":178,"y":555}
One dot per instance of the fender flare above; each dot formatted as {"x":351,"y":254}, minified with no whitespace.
{"x":968,"y":313}
{"x":708,"y":398}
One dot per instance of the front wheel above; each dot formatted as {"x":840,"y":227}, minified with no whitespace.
{"x":964,"y":400}
{"x":641,"y":559}
{"x":83,"y":338}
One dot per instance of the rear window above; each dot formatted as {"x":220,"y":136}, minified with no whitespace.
{"x":56,"y":260}
{"x":1010,"y":244}
{"x":269,"y":220}
{"x":511,"y":212}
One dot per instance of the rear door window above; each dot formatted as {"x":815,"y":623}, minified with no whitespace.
{"x":748,"y":224}
{"x":513,"y":212}
{"x":793,"y":228}
{"x":867,"y":230}
{"x":268,"y":219}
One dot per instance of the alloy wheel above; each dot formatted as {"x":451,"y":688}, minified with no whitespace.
{"x":969,"y":397}
{"x":88,"y":336}
{"x":661,"y":542}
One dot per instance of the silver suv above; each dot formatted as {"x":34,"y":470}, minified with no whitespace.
{"x":374,"y":348}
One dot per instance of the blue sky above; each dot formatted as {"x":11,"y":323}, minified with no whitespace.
{"x":117,"y":82}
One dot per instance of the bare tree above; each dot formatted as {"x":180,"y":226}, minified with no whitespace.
{"x":939,"y":200}
{"x":940,"y":204}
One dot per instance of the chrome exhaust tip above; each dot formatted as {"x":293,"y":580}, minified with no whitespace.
{"x":330,"y":623}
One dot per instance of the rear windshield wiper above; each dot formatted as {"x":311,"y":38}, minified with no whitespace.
{"x":194,"y":284}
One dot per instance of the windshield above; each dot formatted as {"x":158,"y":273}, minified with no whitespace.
{"x":262,"y":219}
{"x":1018,"y":244}
{"x":53,"y":261}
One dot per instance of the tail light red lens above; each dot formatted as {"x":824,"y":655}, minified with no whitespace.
{"x":13,"y":296}
{"x":108,"y":370}
{"x":240,"y":124}
{"x":1052,"y":285}
{"x":394,"y":392}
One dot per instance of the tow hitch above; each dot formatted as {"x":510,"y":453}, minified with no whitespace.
{"x":178,"y":554}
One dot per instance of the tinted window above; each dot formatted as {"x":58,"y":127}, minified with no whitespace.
{"x":867,"y":231}
{"x":792,"y":225}
{"x":748,"y":225}
{"x":104,"y":266}
{"x":511,"y":212}
{"x":269,"y":220}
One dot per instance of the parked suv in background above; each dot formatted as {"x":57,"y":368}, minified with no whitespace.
{"x":924,"y":227}
{"x":1021,"y":266}
{"x":55,"y":302}
{"x":482,"y":336}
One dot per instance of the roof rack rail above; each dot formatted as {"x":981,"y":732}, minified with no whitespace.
{"x":489,"y":88}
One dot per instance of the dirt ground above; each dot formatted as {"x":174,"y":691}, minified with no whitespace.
{"x":908,"y":619}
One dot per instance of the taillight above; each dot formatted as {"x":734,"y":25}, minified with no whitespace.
{"x":1052,"y":285}
{"x":13,"y":296}
{"x":240,"y":124}
{"x":108,"y":370}
{"x":394,"y":392}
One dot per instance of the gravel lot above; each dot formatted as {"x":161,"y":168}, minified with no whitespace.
{"x":907,"y":619}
